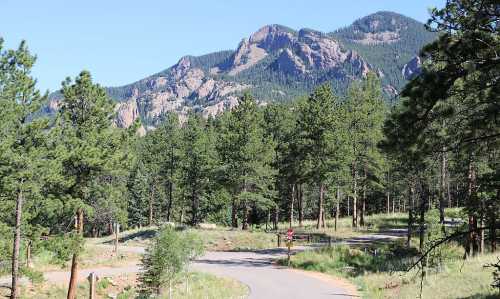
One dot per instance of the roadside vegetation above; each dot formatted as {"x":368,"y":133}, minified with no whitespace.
{"x":195,"y":285}
{"x":384,"y":275}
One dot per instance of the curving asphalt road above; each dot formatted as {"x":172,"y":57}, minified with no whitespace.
{"x":256,"y":269}
{"x":267,"y":280}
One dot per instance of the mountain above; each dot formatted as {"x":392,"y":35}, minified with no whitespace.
{"x":276,"y":63}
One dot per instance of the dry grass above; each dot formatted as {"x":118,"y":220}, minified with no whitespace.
{"x":193,"y":285}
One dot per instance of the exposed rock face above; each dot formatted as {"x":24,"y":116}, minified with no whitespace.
{"x":178,"y":91}
{"x":127,"y":113}
{"x":276,"y":63}
{"x":412,"y":68}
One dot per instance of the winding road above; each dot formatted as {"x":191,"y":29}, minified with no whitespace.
{"x":256,"y":269}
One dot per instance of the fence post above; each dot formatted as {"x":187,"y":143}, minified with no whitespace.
{"x":92,"y":279}
{"x":329,"y":241}
{"x":279,"y":240}
{"x":117,"y":231}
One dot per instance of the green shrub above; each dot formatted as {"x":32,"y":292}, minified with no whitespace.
{"x":166,"y":258}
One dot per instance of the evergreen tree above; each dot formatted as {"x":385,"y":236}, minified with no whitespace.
{"x":84,"y":120}
{"x":22,"y":141}
{"x":321,"y":129}
{"x":246,"y":156}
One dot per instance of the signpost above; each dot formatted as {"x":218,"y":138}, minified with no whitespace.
{"x":289,"y":242}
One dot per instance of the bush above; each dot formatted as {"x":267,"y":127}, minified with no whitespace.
{"x":166,"y":258}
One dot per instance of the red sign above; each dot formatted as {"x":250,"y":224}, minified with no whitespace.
{"x":289,"y":234}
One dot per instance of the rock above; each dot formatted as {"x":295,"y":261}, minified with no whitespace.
{"x":412,"y":68}
{"x":127,"y":113}
{"x":207,"y":226}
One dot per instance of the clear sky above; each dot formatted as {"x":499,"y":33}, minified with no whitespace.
{"x":121,"y":41}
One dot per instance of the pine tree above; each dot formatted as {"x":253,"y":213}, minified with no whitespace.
{"x":246,"y":156}
{"x":323,"y":135}
{"x":22,"y":140}
{"x":84,"y":120}
{"x":197,"y":163}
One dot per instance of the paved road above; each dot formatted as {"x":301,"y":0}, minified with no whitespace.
{"x":255,"y":269}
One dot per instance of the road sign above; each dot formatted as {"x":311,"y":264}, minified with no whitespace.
{"x":289,"y":234}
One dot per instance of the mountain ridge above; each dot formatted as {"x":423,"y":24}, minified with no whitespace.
{"x":276,"y":63}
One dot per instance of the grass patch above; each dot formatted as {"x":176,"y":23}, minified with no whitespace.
{"x":193,"y":285}
{"x":384,"y":275}
{"x":219,"y":239}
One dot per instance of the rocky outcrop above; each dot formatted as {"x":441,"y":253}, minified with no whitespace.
{"x":412,"y":68}
{"x":126,"y":113}
{"x":276,"y":62}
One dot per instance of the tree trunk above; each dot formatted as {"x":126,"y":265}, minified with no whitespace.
{"x":194,"y":207}
{"x":300,"y":204}
{"x":355,"y":196}
{"x":411,"y":193}
{"x":151,"y":200}
{"x":170,"y":201}
{"x":337,"y":209}
{"x":234,"y":214}
{"x":423,"y":207}
{"x":244,"y":225}
{"x":363,"y":207}
{"x":170,"y":184}
{"x":493,"y":219}
{"x":292,"y":200}
{"x":388,"y":195}
{"x":28,"y":254}
{"x":276,"y":216}
{"x":348,"y":206}
{"x":442,"y":197}
{"x":320,"y":222}
{"x":74,"y":263}
{"x":471,"y":202}
{"x":268,"y":218}
{"x":14,"y":293}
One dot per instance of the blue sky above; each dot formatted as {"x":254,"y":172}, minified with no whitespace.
{"x":124,"y":41}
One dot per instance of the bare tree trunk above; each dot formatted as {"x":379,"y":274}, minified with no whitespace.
{"x":363,"y":200}
{"x":348,"y":207}
{"x":337,"y":209}
{"x":423,"y":207}
{"x":151,"y":200}
{"x":388,"y":195}
{"x":234,"y":214}
{"x":292,"y":200}
{"x":170,"y":184}
{"x":320,"y":222}
{"x":268,"y":218}
{"x":28,"y":254}
{"x":170,"y":201}
{"x":244,"y":225}
{"x":300,"y":203}
{"x":276,"y":216}
{"x":355,"y":196}
{"x":411,"y":194}
{"x":472,"y":221}
{"x":493,"y":219}
{"x":442,"y":197}
{"x":74,"y":263}
{"x":14,"y":292}
{"x":194,"y":207}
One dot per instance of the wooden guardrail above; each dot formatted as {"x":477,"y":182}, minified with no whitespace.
{"x":306,"y":237}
